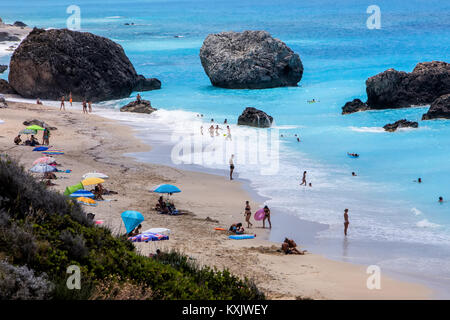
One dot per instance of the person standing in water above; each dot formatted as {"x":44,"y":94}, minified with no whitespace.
{"x":90,"y":106}
{"x":70,"y":98}
{"x":303,"y":179}
{"x":211,"y":131}
{"x":62,"y":106}
{"x":248,"y":214}
{"x":229,"y":133}
{"x":231,"y":166}
{"x":201,"y":130}
{"x":441,"y":200}
{"x":84,"y":106}
{"x":346,"y":223}
{"x":267,"y":216}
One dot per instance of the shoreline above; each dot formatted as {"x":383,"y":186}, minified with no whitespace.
{"x":280,"y":271}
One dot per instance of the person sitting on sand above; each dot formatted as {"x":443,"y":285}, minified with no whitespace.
{"x":160,"y":203}
{"x":290,"y":247}
{"x":17,"y":140}
{"x":33,"y":141}
{"x":97,"y":194}
{"x":237,"y":228}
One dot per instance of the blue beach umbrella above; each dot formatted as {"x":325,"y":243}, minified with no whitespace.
{"x":43,"y":168}
{"x":82,"y":193}
{"x":165,"y":188}
{"x":131,"y":219}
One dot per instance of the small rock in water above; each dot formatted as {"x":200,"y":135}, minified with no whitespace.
{"x":255,"y":118}
{"x":354,"y":106}
{"x":391,"y":127}
{"x":439,"y":109}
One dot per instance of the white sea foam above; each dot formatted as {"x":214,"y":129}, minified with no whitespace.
{"x":426,"y":224}
{"x":368,"y":129}
{"x":416,"y":211}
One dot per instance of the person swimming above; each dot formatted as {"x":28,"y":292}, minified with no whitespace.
{"x":353,"y":174}
{"x":353,"y":154}
{"x":441,"y":200}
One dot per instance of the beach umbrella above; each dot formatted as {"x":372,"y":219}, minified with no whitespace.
{"x":146,"y":237}
{"x":42,"y":168}
{"x":28,"y":131}
{"x":91,"y":181}
{"x":165,"y":188}
{"x":86,"y":201}
{"x":82,"y":193}
{"x":95,"y":175}
{"x":44,"y":160}
{"x":72,"y":189}
{"x":35,"y":127}
{"x":40,"y":148}
{"x":131,"y":219}
{"x":259,"y":215}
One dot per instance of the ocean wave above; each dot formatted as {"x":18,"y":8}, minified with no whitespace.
{"x":368,"y":129}
{"x":426,"y":224}
{"x":114,"y":17}
{"x":416,"y":211}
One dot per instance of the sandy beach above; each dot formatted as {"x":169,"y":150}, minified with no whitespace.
{"x":93,"y":143}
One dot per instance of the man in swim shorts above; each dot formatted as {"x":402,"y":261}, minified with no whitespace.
{"x":346,"y":223}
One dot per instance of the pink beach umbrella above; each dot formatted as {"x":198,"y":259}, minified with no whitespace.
{"x":259,"y":215}
{"x":44,"y":160}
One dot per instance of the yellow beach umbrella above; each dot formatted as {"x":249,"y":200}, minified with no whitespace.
{"x":87,"y":201}
{"x":91,"y":181}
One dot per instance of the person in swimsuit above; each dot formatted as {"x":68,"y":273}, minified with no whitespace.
{"x":225,"y":122}
{"x":229,"y":133}
{"x":346,"y":223}
{"x":217,"y":130}
{"x":290,"y":247}
{"x":62,"y":106}
{"x":248,"y":214}
{"x":441,"y":200}
{"x":353,"y":174}
{"x":70,"y":98}
{"x":303,"y":179}
{"x":231,"y":167}
{"x":46,"y":137}
{"x":138,"y":98}
{"x":38,"y":101}
{"x":236,"y":228}
{"x":201,"y":130}
{"x":17,"y":140}
{"x":84,"y":106}
{"x":267,"y":216}
{"x":211,"y":131}
{"x":90,"y":106}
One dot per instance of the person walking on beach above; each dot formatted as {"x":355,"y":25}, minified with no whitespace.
{"x":231,"y":166}
{"x":84,"y":106}
{"x":70,"y":98}
{"x":90,"y":106}
{"x":46,"y":137}
{"x":62,"y":104}
{"x":267,"y":216}
{"x":248,"y":214}
{"x":228,"y":133}
{"x":346,"y":223}
{"x":303,"y":179}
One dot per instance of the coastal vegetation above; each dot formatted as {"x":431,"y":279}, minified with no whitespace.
{"x":43,"y":232}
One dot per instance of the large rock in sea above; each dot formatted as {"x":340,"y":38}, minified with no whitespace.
{"x":143,"y":107}
{"x":255,"y":118}
{"x":6,"y":88}
{"x":439,"y":109}
{"x":51,"y":63}
{"x":391,"y":127}
{"x":3,"y":68}
{"x":249,"y":60}
{"x":398,"y":89}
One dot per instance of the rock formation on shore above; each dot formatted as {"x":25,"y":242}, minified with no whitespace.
{"x":398,"y":89}
{"x":6,"y":88}
{"x":255,"y":118}
{"x":140,"y":107}
{"x":3,"y":68}
{"x":249,"y":60}
{"x":439,"y":109}
{"x":391,"y":127}
{"x":5,"y":36}
{"x":52,"y":63}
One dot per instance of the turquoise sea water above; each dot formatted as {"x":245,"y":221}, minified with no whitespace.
{"x":400,"y":220}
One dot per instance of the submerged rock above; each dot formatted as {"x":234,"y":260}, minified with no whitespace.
{"x":439,"y":109}
{"x":52,"y":63}
{"x":249,"y":60}
{"x":6,"y":88}
{"x":5,"y":36}
{"x":140,"y":107}
{"x":255,"y":118}
{"x":354,"y":106}
{"x":391,"y":127}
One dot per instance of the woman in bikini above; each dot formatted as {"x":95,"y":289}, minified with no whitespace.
{"x":248,"y":214}
{"x":267,"y":216}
